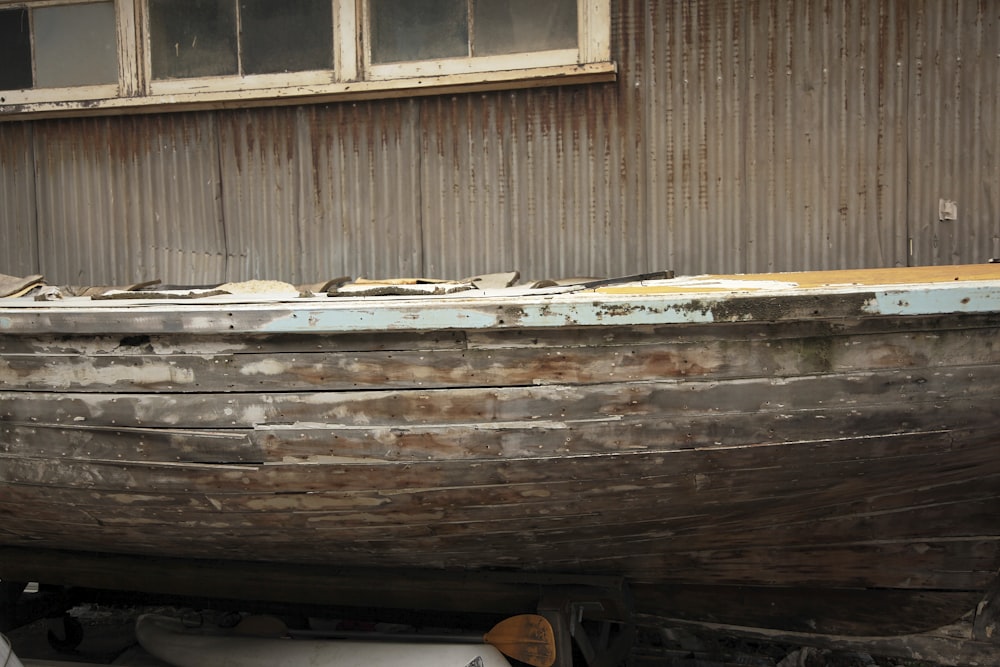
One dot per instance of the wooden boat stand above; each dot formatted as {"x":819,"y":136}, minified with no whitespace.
{"x":973,"y":640}
{"x":586,"y":612}
{"x":18,"y":608}
{"x":587,"y":618}
{"x":583,"y":618}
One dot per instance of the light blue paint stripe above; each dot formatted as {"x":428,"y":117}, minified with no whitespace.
{"x":930,"y":301}
{"x":606,"y":310}
{"x":489,"y":316}
{"x":480,"y":312}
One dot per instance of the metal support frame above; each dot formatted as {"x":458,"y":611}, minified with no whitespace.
{"x":592,"y":621}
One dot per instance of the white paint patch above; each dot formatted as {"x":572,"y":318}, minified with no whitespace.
{"x":265,"y":367}
{"x":86,"y":374}
{"x":254,"y":414}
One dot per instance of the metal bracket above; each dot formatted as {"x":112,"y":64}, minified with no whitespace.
{"x":595,"y":621}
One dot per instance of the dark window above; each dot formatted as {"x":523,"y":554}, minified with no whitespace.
{"x":75,"y":45}
{"x":520,"y":26}
{"x":192,"y":38}
{"x":408,"y":30}
{"x":419,"y":29}
{"x":15,"y":49}
{"x":289,"y":36}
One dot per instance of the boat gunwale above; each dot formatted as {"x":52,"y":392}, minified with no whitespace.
{"x":222,"y":315}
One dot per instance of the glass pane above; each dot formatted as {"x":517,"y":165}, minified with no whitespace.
{"x":419,"y":29}
{"x":289,"y":36}
{"x":518,"y":26}
{"x":15,"y":49}
{"x":192,"y":38}
{"x":75,"y":45}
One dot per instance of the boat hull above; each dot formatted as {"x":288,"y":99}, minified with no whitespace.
{"x":171,"y":641}
{"x":716,"y":449}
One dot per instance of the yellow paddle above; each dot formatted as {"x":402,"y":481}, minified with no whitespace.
{"x":528,"y":638}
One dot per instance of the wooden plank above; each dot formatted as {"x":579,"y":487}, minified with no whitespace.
{"x":732,"y":500}
{"x":827,"y":611}
{"x":138,"y":371}
{"x":396,"y":475}
{"x":690,"y":398}
{"x":850,"y":489}
{"x":928,"y":564}
{"x":120,"y":443}
{"x":810,"y":280}
{"x":488,"y":312}
{"x":817,"y":520}
{"x":908,"y":275}
{"x":513,"y":440}
{"x":971,"y":450}
{"x":944,"y":646}
{"x":222,"y":342}
{"x":836,"y":509}
{"x":277,"y":93}
{"x":641,"y":553}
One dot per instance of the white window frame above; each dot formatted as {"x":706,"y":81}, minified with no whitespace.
{"x":354,"y":75}
{"x":70,"y":94}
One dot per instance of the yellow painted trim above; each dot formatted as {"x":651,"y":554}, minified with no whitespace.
{"x":902,"y":275}
{"x":814,"y":279}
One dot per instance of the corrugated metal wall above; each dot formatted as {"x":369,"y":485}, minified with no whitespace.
{"x":19,"y":249}
{"x":954,"y":128}
{"x":741,"y":135}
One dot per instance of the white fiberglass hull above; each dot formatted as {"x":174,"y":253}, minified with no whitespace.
{"x":171,"y":641}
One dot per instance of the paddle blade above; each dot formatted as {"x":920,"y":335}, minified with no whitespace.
{"x":528,"y":638}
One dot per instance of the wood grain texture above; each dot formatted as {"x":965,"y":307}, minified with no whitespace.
{"x":804,"y":453}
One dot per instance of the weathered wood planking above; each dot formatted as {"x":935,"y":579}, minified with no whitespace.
{"x":833,"y":438}
{"x":826,"y":520}
{"x":111,"y":443}
{"x":490,"y":441}
{"x":377,"y":524}
{"x":471,"y":404}
{"x":818,"y":610}
{"x":597,"y":362}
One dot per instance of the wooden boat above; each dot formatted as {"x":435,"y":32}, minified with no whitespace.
{"x":813,"y":452}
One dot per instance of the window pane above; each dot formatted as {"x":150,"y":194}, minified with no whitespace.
{"x":289,"y":36}
{"x":419,"y":29}
{"x":15,"y":49}
{"x":516,"y":26}
{"x":75,"y":45}
{"x":192,"y":38}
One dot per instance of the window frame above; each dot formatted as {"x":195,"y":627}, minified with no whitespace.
{"x":353,"y":75}
{"x":70,"y":94}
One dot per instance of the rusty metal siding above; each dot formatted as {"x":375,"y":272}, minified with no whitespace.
{"x":533,"y":181}
{"x":741,"y":135}
{"x":694,"y":126}
{"x":465,"y":189}
{"x":18,"y":237}
{"x":829,"y":136}
{"x":955,"y":130}
{"x":359,"y":190}
{"x":777,"y":135}
{"x":128,"y":199}
{"x":314,"y":193}
{"x":260,"y":210}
